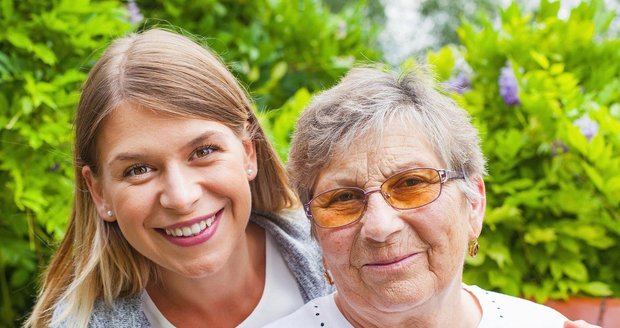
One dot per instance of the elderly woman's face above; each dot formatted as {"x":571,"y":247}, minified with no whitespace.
{"x":393,"y":260}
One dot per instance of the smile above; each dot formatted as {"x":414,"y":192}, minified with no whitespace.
{"x":190,"y":230}
{"x":392,"y":262}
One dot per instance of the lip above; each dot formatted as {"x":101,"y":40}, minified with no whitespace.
{"x":192,"y":221}
{"x":393,"y":263}
{"x":200,"y":238}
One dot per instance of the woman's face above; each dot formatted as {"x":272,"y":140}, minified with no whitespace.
{"x":395,"y":260}
{"x":178,"y":187}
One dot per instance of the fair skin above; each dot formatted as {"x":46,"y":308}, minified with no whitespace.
{"x":179,"y":190}
{"x":400,"y":268}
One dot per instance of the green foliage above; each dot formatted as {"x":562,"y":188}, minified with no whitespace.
{"x":45,"y":50}
{"x":552,"y":227}
{"x":275,"y":47}
{"x":280,"y":123}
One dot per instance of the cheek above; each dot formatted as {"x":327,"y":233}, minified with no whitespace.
{"x":336,"y":246}
{"x":444,"y":229}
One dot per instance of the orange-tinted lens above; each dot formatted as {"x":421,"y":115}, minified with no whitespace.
{"x":337,"y":207}
{"x":413,"y":188}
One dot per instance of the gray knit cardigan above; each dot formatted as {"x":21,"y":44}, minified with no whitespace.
{"x":290,"y":230}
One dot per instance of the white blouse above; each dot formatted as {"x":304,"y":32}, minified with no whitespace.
{"x":498,"y":311}
{"x":280,"y":297}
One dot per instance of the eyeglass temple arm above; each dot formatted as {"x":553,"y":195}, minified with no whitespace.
{"x":307,"y":211}
{"x":449,"y":175}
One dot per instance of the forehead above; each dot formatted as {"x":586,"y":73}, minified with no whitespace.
{"x":378,"y":154}
{"x":134,"y":128}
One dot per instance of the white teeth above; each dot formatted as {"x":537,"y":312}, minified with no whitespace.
{"x":195,"y":228}
{"x":192,"y":230}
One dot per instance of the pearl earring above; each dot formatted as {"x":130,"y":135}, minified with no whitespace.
{"x":250,"y":172}
{"x":110,"y":213}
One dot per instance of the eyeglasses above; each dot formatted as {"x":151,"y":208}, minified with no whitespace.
{"x":405,"y":190}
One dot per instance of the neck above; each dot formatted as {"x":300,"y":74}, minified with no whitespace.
{"x":455,"y":307}
{"x":222,"y":299}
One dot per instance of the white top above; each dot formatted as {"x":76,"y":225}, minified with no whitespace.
{"x":280,"y":295}
{"x":498,"y":311}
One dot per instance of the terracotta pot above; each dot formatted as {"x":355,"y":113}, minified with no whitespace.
{"x":604,"y":312}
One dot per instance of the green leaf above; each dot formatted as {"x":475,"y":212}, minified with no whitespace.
{"x":540,"y":235}
{"x":556,"y":270}
{"x":44,"y":53}
{"x":7,"y":9}
{"x":19,"y":39}
{"x":540,"y":59}
{"x":499,"y":254}
{"x":594,"y":176}
{"x":548,"y":10}
{"x":442,"y":62}
{"x":597,"y":288}
{"x":576,"y":270}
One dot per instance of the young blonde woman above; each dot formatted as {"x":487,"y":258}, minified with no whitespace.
{"x":182,"y":214}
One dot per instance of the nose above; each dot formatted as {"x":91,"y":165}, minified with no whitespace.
{"x":180,"y":189}
{"x":380,"y":221}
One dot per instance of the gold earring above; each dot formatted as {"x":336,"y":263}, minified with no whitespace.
{"x":328,"y":276}
{"x":472,"y":248}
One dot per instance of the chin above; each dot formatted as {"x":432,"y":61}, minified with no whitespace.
{"x":398,"y":301}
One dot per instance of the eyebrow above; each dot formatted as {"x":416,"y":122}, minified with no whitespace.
{"x":127,"y":156}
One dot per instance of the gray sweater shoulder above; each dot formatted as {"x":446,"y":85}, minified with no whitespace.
{"x":291,"y":231}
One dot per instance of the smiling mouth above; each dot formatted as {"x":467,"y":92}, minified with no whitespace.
{"x":191,"y":230}
{"x":391,"y":261}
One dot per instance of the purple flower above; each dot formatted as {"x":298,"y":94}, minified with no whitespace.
{"x":459,"y":84}
{"x":134,"y":12}
{"x":588,"y":127}
{"x":508,"y":86}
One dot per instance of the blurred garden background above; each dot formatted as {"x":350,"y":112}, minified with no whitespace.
{"x":540,"y":78}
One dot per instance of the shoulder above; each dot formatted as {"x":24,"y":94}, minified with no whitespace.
{"x":290,"y":230}
{"x":500,"y":310}
{"x":290,"y":222}
{"x":319,"y":312}
{"x":123,"y":312}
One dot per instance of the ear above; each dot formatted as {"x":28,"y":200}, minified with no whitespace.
{"x":249,"y":148}
{"x":96,"y":192}
{"x":477,"y":208}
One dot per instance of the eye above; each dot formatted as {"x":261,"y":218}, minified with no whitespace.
{"x":203,"y":151}
{"x":410,"y":182}
{"x":137,"y":170}
{"x":343,"y":196}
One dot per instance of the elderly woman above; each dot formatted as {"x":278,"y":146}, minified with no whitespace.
{"x":390,"y":174}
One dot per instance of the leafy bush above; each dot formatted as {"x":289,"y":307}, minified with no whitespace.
{"x":545,"y":92}
{"x":45,"y":51}
{"x":275,"y":47}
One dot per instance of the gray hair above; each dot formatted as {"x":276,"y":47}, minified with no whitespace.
{"x":363,"y":103}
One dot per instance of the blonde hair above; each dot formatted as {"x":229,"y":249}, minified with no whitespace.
{"x":362,"y":104}
{"x":167,"y":73}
